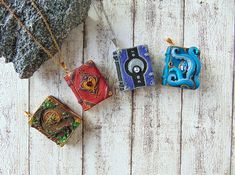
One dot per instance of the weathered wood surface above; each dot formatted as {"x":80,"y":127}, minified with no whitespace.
{"x":207,"y":119}
{"x":14,"y":142}
{"x":156,"y":130}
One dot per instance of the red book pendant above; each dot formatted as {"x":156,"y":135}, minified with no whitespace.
{"x":88,"y":85}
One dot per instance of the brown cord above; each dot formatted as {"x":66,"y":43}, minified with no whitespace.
{"x":61,"y":64}
{"x":170,"y":41}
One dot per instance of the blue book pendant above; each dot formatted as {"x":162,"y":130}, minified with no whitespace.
{"x":134,"y":67}
{"x":182,"y":67}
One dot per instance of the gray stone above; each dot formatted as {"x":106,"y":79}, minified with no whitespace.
{"x":19,"y":48}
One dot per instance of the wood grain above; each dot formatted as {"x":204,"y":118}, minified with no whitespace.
{"x":107,"y":126}
{"x":232,"y":163}
{"x":13,"y":125}
{"x":207,"y":112}
{"x":155,"y":130}
{"x":157,"y":110}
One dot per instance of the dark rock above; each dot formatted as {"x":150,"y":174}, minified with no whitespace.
{"x":19,"y":48}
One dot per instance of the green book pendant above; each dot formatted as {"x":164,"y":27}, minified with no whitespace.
{"x":55,"y":120}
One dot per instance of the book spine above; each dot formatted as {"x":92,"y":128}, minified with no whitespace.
{"x":116,"y":58}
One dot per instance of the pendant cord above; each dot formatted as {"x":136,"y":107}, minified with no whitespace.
{"x":62,"y":64}
{"x":113,"y":38}
{"x":170,"y":41}
{"x":8,"y":8}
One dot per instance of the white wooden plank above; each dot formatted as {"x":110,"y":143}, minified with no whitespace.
{"x":107,"y":126}
{"x":46,"y":157}
{"x":233,"y":134}
{"x":13,"y":124}
{"x":157,"y":110}
{"x":207,"y":112}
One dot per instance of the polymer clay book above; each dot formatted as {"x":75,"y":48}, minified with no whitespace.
{"x":134,"y":68}
{"x":55,"y":120}
{"x":182,"y":67}
{"x":88,"y":85}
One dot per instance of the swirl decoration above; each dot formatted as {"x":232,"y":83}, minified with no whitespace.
{"x":55,"y":120}
{"x":89,"y":83}
{"x":182,"y":67}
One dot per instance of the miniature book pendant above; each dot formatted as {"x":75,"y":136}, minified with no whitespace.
{"x":182,"y":67}
{"x":55,"y":120}
{"x":88,"y":85}
{"x":134,"y":68}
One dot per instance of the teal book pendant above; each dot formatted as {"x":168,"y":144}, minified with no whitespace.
{"x":182,"y":67}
